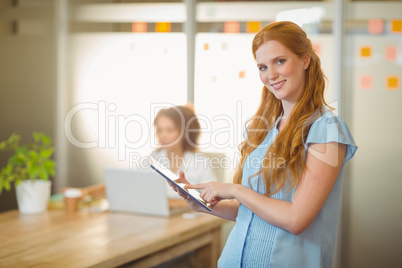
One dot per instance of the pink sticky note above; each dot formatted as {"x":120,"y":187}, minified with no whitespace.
{"x":366,"y":82}
{"x":317,"y":48}
{"x":224,"y":46}
{"x":375,"y":26}
{"x":231,"y":27}
{"x":391,"y":53}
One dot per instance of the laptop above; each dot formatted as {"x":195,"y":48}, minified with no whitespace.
{"x":139,"y":191}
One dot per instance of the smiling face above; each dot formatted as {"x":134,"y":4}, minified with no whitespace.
{"x":281,"y":70}
{"x":167,"y":133}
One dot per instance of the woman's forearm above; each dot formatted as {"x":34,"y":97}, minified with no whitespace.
{"x":274,"y":211}
{"x":226,"y":209}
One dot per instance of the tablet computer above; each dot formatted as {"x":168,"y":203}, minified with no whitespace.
{"x":171,"y":177}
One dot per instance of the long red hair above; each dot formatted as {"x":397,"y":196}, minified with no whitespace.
{"x":289,"y":144}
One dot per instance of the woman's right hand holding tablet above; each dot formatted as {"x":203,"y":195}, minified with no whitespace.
{"x":191,"y":203}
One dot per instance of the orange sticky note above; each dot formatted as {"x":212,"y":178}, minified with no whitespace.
{"x":366,"y":82}
{"x":139,"y":27}
{"x":242,"y":74}
{"x":232,"y":27}
{"x":391,"y":53}
{"x":162,"y":27}
{"x":392,"y":82}
{"x":317,"y":48}
{"x":206,"y":46}
{"x":375,"y":26}
{"x":396,"y":26}
{"x":254,"y":26}
{"x":365,"y":52}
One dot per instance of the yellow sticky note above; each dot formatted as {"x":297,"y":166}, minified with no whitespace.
{"x":254,"y":26}
{"x":392,"y":82}
{"x":162,"y":27}
{"x":396,"y":26}
{"x":206,"y":46}
{"x":365,"y":52}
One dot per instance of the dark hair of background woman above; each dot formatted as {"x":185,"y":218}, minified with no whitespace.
{"x":183,"y":117}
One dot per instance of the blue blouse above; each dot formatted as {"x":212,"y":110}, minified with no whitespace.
{"x":255,"y":243}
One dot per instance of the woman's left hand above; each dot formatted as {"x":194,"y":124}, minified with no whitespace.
{"x":213,"y":192}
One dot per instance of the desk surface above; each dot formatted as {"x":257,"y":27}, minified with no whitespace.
{"x":60,"y":239}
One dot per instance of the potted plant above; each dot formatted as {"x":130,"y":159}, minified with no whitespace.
{"x":29,"y":168}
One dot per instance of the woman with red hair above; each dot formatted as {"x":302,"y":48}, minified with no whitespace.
{"x":287,"y":189}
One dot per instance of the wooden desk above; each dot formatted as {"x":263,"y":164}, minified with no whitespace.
{"x":59,"y":239}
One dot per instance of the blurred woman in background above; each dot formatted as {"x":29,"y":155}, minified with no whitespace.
{"x":177,"y":130}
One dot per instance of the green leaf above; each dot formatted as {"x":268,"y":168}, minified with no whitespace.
{"x":14,"y":139}
{"x":8,"y":169}
{"x":7,"y":185}
{"x":50,"y":165}
{"x":43,"y":174}
{"x":33,"y":172}
{"x":46,"y":153}
{"x":37,"y":136}
{"x":34,"y":155}
{"x":46,"y":140}
{"x":16,"y":160}
{"x":3,"y":145}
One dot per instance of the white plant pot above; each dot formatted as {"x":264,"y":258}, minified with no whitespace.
{"x":33,"y":196}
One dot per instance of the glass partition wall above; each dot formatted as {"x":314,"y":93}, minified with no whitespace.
{"x":371,"y":97}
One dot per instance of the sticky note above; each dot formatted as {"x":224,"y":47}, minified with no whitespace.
{"x":139,"y":27}
{"x":254,"y":26}
{"x":375,"y":26}
{"x":231,"y":27}
{"x":206,"y":46}
{"x":365,"y":52}
{"x":213,"y":78}
{"x":242,"y":74}
{"x":317,"y":48}
{"x":162,"y":27}
{"x":392,"y":82}
{"x":211,"y":11}
{"x":224,"y":46}
{"x":391,"y":53}
{"x":366,"y":82}
{"x":396,"y":26}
